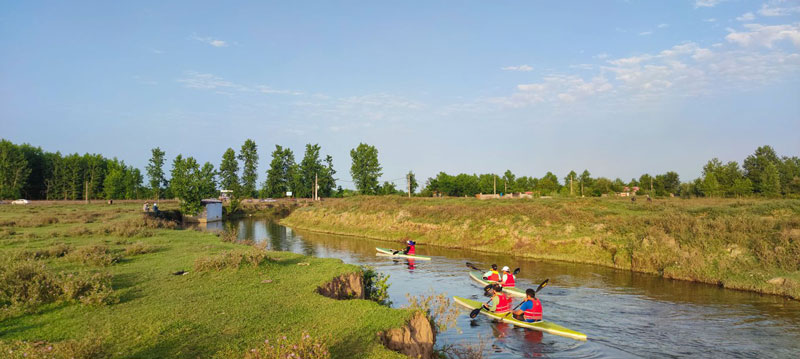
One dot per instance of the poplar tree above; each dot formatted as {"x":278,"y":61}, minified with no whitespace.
{"x":365,"y":168}
{"x":155,"y":171}
{"x":249,"y":157}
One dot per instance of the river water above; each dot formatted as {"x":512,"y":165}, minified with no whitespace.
{"x":624,"y":314}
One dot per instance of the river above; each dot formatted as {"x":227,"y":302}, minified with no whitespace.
{"x":624,"y":314}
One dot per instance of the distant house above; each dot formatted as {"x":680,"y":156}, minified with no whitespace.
{"x":212,"y":212}
{"x":225,"y":195}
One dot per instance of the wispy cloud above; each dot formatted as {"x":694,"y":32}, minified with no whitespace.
{"x":706,"y":3}
{"x":774,"y":8}
{"x":711,"y":19}
{"x":763,"y":35}
{"x":662,"y":26}
{"x":211,"y":41}
{"x":206,"y":81}
{"x":645,"y":33}
{"x":524,"y":68}
{"x":748,"y":16}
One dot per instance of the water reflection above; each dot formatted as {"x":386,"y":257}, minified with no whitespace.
{"x":624,"y":314}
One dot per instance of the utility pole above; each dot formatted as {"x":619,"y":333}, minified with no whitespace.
{"x":495,"y":184}
{"x":408,"y":179}
{"x":86,"y":191}
{"x":570,"y":185}
{"x":316,"y":188}
{"x":651,"y":186}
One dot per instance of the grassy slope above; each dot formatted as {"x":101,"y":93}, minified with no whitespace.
{"x":220,"y":313}
{"x":734,"y":243}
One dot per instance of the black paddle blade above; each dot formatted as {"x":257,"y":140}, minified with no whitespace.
{"x":544,"y":284}
{"x":472,"y":266}
{"x":474,"y":312}
{"x":516,"y":271}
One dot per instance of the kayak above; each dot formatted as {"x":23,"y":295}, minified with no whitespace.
{"x":400,"y":254}
{"x":478,"y":277}
{"x":542,"y":326}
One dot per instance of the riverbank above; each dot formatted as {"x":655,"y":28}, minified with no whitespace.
{"x":92,"y":281}
{"x":750,"y":244}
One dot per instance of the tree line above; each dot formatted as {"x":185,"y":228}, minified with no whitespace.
{"x":29,"y":172}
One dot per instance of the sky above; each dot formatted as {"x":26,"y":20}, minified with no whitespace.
{"x":620,"y":88}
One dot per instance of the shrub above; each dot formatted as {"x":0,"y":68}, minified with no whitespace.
{"x":94,"y":289}
{"x":230,"y":235}
{"x":87,"y":348}
{"x":230,"y":259}
{"x":305,"y":348}
{"x":376,"y":286}
{"x":97,"y":254}
{"x":139,"y":248}
{"x":55,"y":251}
{"x":439,"y":310}
{"x":27,"y":283}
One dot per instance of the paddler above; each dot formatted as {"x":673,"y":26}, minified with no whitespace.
{"x":500,"y":303}
{"x":531,"y":309}
{"x":507,"y":280}
{"x":410,"y":247}
{"x":492,"y":275}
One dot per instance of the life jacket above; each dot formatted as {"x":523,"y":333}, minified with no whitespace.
{"x":494,"y":277}
{"x":412,"y":249}
{"x":535,"y":313}
{"x":504,"y":304}
{"x":509,"y":281}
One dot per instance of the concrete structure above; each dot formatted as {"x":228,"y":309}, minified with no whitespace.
{"x":212,"y":212}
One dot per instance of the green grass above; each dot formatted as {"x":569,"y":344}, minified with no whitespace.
{"x":734,"y":243}
{"x":212,"y":313}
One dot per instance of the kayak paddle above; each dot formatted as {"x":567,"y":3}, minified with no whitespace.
{"x":544,"y":284}
{"x":474,"y":312}
{"x":470,"y":265}
{"x":516,"y":271}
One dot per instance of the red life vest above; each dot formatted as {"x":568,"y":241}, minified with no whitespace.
{"x":412,"y":249}
{"x":509,"y":281}
{"x":535,"y":313}
{"x":494,"y":277}
{"x":503,"y":304}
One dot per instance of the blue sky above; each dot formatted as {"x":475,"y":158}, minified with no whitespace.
{"x":617,"y":87}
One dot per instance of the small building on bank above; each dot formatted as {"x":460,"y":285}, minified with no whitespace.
{"x":212,"y":212}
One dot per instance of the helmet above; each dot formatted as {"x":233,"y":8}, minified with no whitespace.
{"x":410,"y":242}
{"x":506,"y":269}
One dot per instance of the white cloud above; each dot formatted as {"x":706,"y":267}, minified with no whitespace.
{"x":211,"y":41}
{"x":203,"y":81}
{"x":645,"y":33}
{"x":746,"y":17}
{"x":524,"y":68}
{"x":765,"y":35}
{"x":601,"y":56}
{"x":661,"y":26}
{"x":270,"y":90}
{"x":706,"y":3}
{"x":556,"y":89}
{"x":710,"y":20}
{"x":775,"y":10}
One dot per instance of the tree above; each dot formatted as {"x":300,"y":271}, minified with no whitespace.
{"x":549,"y":183}
{"x":155,"y":171}
{"x":309,"y":169}
{"x":326,"y":181}
{"x":388,"y":188}
{"x":670,"y":182}
{"x":646,"y":183}
{"x":709,"y":185}
{"x":365,"y":168}
{"x":585,"y":180}
{"x":207,"y":181}
{"x":755,"y":165}
{"x":280,"y":176}
{"x":412,"y":179}
{"x":187,"y":184}
{"x":249,"y":157}
{"x":569,"y":180}
{"x":770,"y":181}
{"x":742,"y":187}
{"x":229,"y":172}
{"x":14,"y":170}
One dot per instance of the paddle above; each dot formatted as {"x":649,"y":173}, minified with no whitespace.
{"x":470,"y":265}
{"x":474,"y":312}
{"x":544,"y":284}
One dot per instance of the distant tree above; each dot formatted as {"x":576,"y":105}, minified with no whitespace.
{"x":309,"y":167}
{"x":280,"y":176}
{"x":114,"y":182}
{"x":365,"y":168}
{"x":229,"y":172}
{"x":249,"y":157}
{"x":742,"y":187}
{"x":549,"y":184}
{"x":155,"y":171}
{"x":14,"y":170}
{"x":670,"y":182}
{"x":326,"y":181}
{"x":412,"y":179}
{"x":187,"y":184}
{"x":709,"y":186}
{"x":755,"y":165}
{"x":35,"y":187}
{"x":570,"y":180}
{"x":770,"y":181}
{"x":388,"y":188}
{"x":509,"y":180}
{"x":207,"y":181}
{"x":646,"y":184}
{"x":585,"y":180}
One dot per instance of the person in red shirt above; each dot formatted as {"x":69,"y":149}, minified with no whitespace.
{"x":531,"y":309}
{"x":500,"y":303}
{"x":410,"y":247}
{"x":507,"y":280}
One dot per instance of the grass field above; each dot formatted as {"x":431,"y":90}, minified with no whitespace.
{"x":749,"y":244}
{"x":96,"y":281}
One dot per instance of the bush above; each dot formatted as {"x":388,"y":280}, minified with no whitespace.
{"x":306,"y":348}
{"x":230,"y":259}
{"x":376,"y":287}
{"x":439,"y":310}
{"x":54,"y":251}
{"x":92,"y":289}
{"x":28,"y":284}
{"x":95,"y":254}
{"x":87,"y":348}
{"x":139,"y":248}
